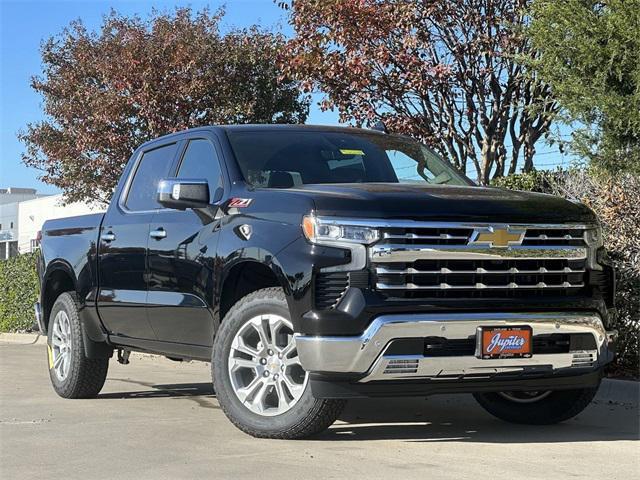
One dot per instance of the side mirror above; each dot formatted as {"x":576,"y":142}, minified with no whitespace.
{"x":180,"y":193}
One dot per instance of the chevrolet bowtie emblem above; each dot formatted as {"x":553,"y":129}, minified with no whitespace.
{"x":498,"y":237}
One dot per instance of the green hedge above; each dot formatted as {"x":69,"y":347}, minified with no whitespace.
{"x":615,"y":201}
{"x":18,"y":292}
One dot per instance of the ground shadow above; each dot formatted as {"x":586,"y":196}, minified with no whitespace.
{"x":458,"y":418}
{"x":158,"y":390}
{"x":441,"y":418}
{"x":201,"y":393}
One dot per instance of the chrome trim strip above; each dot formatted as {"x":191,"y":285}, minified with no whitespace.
{"x":476,"y":286}
{"x":383,"y":223}
{"x":479,"y":270}
{"x":357,"y":354}
{"x":413,"y":236}
{"x":411,"y":253}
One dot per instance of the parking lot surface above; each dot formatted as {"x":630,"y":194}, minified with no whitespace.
{"x":160,"y":419}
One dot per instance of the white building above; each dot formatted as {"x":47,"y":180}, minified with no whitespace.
{"x":21,"y":220}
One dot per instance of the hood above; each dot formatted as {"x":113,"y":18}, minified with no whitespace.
{"x":442,"y":203}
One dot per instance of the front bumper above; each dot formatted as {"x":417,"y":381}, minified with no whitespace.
{"x":363,"y":359}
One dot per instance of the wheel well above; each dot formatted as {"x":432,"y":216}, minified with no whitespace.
{"x":243,"y":279}
{"x":58,"y":282}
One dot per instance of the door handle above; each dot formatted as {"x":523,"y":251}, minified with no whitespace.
{"x":108,"y":237}
{"x":158,"y":234}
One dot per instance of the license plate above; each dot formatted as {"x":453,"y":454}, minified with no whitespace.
{"x":504,"y":342}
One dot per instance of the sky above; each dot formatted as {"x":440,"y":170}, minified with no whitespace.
{"x":24,"y":24}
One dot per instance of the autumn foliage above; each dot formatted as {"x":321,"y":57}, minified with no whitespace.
{"x":443,"y":71}
{"x":105,"y":93}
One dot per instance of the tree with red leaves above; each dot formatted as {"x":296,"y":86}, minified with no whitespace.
{"x":105,"y":93}
{"x":446,"y":72}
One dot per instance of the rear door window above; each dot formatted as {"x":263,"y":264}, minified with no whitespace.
{"x":152,"y":167}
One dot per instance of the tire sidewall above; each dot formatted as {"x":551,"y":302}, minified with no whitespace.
{"x":241,"y":313}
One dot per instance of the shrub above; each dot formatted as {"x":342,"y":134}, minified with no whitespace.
{"x":18,"y":292}
{"x":616,"y":202}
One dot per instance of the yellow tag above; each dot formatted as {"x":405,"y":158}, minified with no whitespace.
{"x":346,"y":151}
{"x":50,"y":356}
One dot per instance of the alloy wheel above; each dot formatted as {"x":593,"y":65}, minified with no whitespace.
{"x":264,"y":368}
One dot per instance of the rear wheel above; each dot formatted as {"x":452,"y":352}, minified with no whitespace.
{"x":536,"y":407}
{"x":258,"y":378}
{"x":72,"y":374}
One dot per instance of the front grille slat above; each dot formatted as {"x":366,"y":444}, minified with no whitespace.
{"x":424,"y":261}
{"x":477,"y":286}
{"x":482,"y":271}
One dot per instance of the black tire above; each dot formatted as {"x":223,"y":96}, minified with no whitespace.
{"x":555,"y":407}
{"x":85,"y":377}
{"x":307,"y":417}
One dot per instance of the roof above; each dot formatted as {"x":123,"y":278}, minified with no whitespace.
{"x":256,"y":127}
{"x":281,"y":126}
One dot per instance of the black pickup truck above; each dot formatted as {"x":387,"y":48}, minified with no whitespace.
{"x":315,"y":264}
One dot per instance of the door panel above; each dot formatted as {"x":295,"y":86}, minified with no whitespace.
{"x":180,"y":275}
{"x":124,"y":238}
{"x":122,"y":298}
{"x":181,"y":252}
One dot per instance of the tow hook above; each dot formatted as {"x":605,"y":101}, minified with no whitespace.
{"x":123,"y":356}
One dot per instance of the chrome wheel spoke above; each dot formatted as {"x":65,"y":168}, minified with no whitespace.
{"x":258,"y":398}
{"x":291,"y":346}
{"x":242,"y":347}
{"x":245,"y":392}
{"x":237,"y":363}
{"x":258,"y":325}
{"x":294,"y":388}
{"x":291,"y":361}
{"x":283,"y":399}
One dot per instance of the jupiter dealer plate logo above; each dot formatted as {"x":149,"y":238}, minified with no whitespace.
{"x":498,"y":237}
{"x":505,"y":342}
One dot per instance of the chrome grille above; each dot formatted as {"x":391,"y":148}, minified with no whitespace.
{"x":425,"y":261}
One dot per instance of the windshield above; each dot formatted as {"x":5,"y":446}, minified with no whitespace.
{"x":290,"y":158}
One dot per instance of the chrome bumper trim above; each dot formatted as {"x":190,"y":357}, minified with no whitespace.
{"x":364,"y":354}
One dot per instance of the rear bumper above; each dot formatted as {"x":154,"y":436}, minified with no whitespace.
{"x":366,"y":359}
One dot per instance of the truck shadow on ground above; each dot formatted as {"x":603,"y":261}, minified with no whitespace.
{"x":446,"y":418}
{"x":458,"y":418}
{"x":201,"y":393}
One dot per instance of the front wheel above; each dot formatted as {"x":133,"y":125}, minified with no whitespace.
{"x":257,"y":376}
{"x":536,"y":407}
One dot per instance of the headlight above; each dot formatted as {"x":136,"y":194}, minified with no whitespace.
{"x":325,"y":230}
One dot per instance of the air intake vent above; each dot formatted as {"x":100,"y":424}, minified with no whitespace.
{"x":329,"y":289}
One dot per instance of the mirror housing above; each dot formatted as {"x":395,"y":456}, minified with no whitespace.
{"x":181,"y":193}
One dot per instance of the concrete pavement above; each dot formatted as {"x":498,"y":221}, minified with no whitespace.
{"x":160,"y":419}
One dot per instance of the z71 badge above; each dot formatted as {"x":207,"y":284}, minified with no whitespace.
{"x":240,"y":202}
